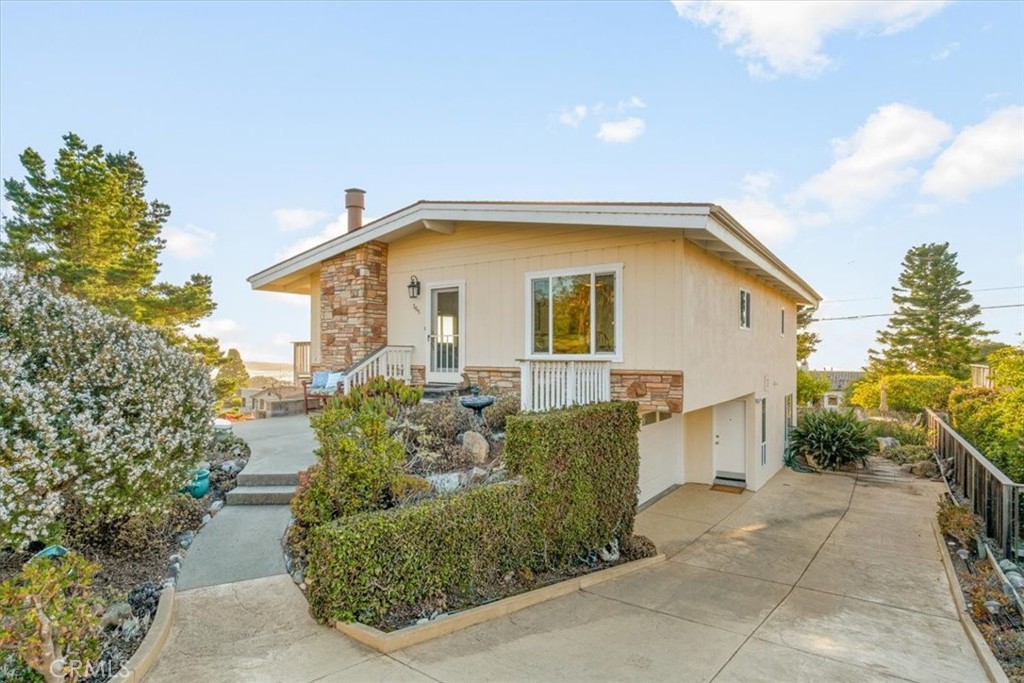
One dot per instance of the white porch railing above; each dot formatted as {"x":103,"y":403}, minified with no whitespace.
{"x":388,"y":362}
{"x":300,"y":361}
{"x":557,"y":384}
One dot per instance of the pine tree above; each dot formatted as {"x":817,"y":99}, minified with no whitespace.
{"x":806,"y":342}
{"x":90,"y":228}
{"x":935,"y":328}
{"x":231,"y":376}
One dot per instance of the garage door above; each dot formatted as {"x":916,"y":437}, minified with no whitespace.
{"x":661,"y":456}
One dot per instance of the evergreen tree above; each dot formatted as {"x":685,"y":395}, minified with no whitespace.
{"x":90,"y":228}
{"x":806,"y":341}
{"x":231,"y":376}
{"x":935,"y":328}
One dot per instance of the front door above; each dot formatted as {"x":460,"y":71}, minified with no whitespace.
{"x":444,"y":334}
{"x":731,"y":441}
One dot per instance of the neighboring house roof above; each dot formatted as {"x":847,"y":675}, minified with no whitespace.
{"x":709,"y":225}
{"x":840,"y":379}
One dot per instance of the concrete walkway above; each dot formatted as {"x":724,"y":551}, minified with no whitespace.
{"x":244,"y":541}
{"x":813,"y":578}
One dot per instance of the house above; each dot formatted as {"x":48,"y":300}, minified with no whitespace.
{"x":838,"y":381}
{"x":674,"y":306}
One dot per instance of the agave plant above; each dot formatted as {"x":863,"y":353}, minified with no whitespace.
{"x":831,"y":439}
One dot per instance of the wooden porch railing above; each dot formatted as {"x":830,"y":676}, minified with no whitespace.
{"x":991,"y":494}
{"x":557,"y":384}
{"x":387,"y":361}
{"x":300,"y":361}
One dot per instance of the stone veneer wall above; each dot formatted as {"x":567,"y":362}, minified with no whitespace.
{"x":650,"y":389}
{"x":353,"y":305}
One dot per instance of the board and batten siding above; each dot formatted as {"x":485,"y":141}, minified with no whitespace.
{"x":492,"y":262}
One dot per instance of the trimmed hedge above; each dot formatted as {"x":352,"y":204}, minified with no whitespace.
{"x":905,"y":393}
{"x":583,"y":467}
{"x":364,"y":566}
{"x":578,"y":491}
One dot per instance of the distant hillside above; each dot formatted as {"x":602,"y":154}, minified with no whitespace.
{"x":282,"y":371}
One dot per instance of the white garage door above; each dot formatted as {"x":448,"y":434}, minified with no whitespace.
{"x":661,"y":456}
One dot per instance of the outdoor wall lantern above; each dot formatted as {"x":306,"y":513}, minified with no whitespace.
{"x":414,"y":287}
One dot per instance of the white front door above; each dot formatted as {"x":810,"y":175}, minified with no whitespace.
{"x":444,"y":332}
{"x":731,"y":441}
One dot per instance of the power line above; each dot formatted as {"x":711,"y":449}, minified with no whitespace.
{"x":876,"y":298}
{"x":888,"y":315}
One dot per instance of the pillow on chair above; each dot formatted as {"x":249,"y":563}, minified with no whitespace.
{"x":319,"y":379}
{"x":332,"y":381}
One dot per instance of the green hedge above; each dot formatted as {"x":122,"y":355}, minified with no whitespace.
{"x":364,"y":566}
{"x":905,"y":393}
{"x":583,"y":467}
{"x":578,"y":491}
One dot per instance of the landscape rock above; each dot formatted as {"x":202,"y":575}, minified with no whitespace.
{"x":907,"y":467}
{"x":115,"y":615}
{"x":298,"y":577}
{"x":174,"y":569}
{"x":924,"y":468}
{"x":477,"y":475}
{"x":206,"y":519}
{"x":497,"y":475}
{"x":887,"y":442}
{"x":444,"y":483}
{"x":476,"y":446}
{"x":229,"y":466}
{"x":174,"y":558}
{"x":217,"y":505}
{"x":204,"y":465}
{"x":1016,"y":579}
{"x":186,"y":538}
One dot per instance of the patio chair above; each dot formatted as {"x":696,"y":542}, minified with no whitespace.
{"x":321,"y":387}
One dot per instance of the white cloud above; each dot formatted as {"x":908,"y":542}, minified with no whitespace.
{"x":216,"y":327}
{"x":985,"y":155}
{"x":876,"y":159}
{"x":290,"y":220}
{"x":625,"y":130}
{"x":786,"y":37}
{"x":944,"y":53}
{"x":232,"y":335}
{"x":769,"y":222}
{"x":335,"y":228}
{"x":572,"y":117}
{"x":189,"y":242}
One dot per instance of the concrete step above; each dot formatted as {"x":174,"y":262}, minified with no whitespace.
{"x":260,"y":495}
{"x":268,"y":478}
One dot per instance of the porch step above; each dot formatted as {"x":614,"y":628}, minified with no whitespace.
{"x":260,"y":495}
{"x":729,"y":481}
{"x":246,"y":479}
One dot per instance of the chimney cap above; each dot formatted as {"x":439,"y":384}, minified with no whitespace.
{"x":355,"y":189}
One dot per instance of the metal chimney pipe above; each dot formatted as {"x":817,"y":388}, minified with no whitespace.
{"x":355,"y":203}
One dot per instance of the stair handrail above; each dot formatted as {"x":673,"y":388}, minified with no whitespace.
{"x":371,"y":366}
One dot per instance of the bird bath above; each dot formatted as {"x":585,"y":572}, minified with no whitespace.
{"x":477,"y":403}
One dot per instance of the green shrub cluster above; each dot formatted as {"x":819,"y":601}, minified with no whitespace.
{"x":48,"y":619}
{"x":442,"y":552}
{"x":810,"y":387}
{"x":577,"y":491}
{"x":993,"y":420}
{"x":908,"y":454}
{"x":831,"y":439}
{"x":359,"y":465}
{"x":583,"y":466}
{"x":387,"y":396}
{"x":904,"y":393}
{"x":907,"y":434}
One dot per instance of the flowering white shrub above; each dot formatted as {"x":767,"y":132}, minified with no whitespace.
{"x":91,"y":406}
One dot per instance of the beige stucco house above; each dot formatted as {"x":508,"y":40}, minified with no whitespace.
{"x":674,"y":306}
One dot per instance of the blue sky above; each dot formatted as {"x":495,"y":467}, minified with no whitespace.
{"x":839,"y":133}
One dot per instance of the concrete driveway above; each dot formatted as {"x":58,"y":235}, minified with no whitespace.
{"x":813,"y":578}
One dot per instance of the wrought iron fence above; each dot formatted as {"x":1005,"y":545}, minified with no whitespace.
{"x":992,"y":495}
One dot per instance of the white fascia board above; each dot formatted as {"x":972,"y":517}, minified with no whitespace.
{"x":603,"y":215}
{"x":762,"y":259}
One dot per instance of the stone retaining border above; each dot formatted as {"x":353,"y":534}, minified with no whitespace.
{"x":988,"y":659}
{"x":153,"y":644}
{"x":383,"y":641}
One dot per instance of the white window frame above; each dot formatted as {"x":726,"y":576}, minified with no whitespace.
{"x":613,"y":268}
{"x":745,"y":293}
